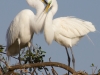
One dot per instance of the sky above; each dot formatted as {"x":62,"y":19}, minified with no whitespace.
{"x":85,"y":52}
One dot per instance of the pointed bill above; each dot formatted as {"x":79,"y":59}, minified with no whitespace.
{"x":44,"y":11}
{"x":47,"y":7}
{"x":44,"y":2}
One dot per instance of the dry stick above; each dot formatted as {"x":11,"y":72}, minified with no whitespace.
{"x":9,"y":73}
{"x":36,"y":72}
{"x":94,"y":70}
{"x":4,"y":62}
{"x":45,"y":71}
{"x":2,"y":69}
{"x":1,"y":66}
{"x":56,"y":72}
{"x":42,"y":73}
{"x":33,"y":71}
{"x":53,"y":70}
{"x":25,"y":71}
{"x":49,"y":73}
{"x":56,"y":64}
{"x":28,"y":72}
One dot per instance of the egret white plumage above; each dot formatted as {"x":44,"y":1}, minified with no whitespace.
{"x":22,"y":28}
{"x":66,"y":31}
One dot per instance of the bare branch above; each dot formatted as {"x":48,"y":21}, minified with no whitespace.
{"x":4,"y":62}
{"x":95,"y":69}
{"x":45,"y":71}
{"x":53,"y":70}
{"x":2,"y":69}
{"x":34,"y":71}
{"x":9,"y":73}
{"x":56,"y":64}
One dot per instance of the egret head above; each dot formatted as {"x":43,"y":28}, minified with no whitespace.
{"x":31,"y":2}
{"x":44,"y":1}
{"x":48,"y":5}
{"x":51,"y":4}
{"x":36,"y":3}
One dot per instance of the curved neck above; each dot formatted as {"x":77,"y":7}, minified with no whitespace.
{"x":51,"y":13}
{"x":39,"y":8}
{"x":48,"y":28}
{"x":54,"y":8}
{"x":37,"y":4}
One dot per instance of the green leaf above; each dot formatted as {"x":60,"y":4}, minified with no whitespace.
{"x":43,"y":52}
{"x":43,"y":55}
{"x":92,"y":65}
{"x":37,"y":51}
{"x":1,"y":50}
{"x":40,"y":47}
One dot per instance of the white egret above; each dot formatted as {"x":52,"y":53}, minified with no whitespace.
{"x":22,"y":28}
{"x":66,"y":31}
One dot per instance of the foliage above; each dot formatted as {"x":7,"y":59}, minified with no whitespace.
{"x":34,"y":56}
{"x":94,"y":68}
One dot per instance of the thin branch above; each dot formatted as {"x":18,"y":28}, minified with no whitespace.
{"x":53,"y":70}
{"x":33,"y":71}
{"x":4,"y":62}
{"x":36,"y":72}
{"x":45,"y":71}
{"x":56,"y":64}
{"x":9,"y":73}
{"x":42,"y":73}
{"x":95,"y":70}
{"x":2,"y":69}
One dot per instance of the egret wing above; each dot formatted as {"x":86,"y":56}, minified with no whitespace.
{"x":12,"y":33}
{"x":72,"y":27}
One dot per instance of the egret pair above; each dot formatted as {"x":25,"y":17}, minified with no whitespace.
{"x":66,"y":31}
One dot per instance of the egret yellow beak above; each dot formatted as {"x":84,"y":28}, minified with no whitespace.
{"x":47,"y":7}
{"x":44,"y":2}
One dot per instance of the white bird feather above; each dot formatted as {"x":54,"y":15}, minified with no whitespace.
{"x":66,"y":31}
{"x":22,"y":28}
